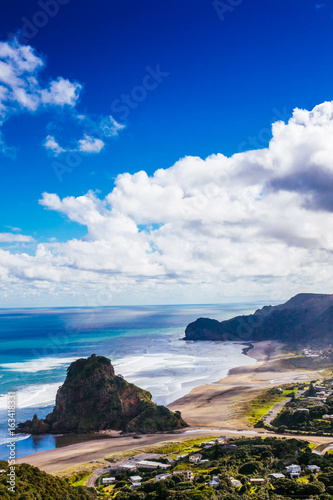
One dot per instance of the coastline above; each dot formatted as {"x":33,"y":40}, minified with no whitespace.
{"x":218,"y":406}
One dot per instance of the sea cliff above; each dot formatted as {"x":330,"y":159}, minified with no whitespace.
{"x":93,"y":398}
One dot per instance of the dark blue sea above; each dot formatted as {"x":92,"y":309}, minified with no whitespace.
{"x":144,"y":343}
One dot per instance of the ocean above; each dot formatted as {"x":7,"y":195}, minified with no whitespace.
{"x":145,"y":345}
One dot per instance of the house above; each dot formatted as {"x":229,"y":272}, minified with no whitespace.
{"x":2,"y":471}
{"x":257,"y":481}
{"x":275,"y":477}
{"x":196,"y":458}
{"x":294,"y":470}
{"x":235,"y":483}
{"x":187,"y":473}
{"x":222,"y":439}
{"x":161,"y":477}
{"x":327,"y":417}
{"x":108,"y":480}
{"x":314,"y":469}
{"x":179,"y":457}
{"x":147,"y":464}
{"x":135,"y":479}
{"x":214,"y":481}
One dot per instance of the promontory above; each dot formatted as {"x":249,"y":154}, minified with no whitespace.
{"x":93,"y":398}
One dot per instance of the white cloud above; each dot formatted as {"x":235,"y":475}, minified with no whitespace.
{"x":61,"y":92}
{"x":15,"y":238}
{"x":51,"y":144}
{"x":90,"y":144}
{"x":22,"y":90}
{"x":20,"y":85}
{"x":257,"y":224}
{"x":110,"y":127}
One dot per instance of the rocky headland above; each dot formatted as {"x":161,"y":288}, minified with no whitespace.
{"x":93,"y":398}
{"x":305,"y":319}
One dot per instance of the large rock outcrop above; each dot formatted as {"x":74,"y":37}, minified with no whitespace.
{"x":93,"y":398}
{"x":306,"y":318}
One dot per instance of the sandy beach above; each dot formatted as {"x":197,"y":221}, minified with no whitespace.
{"x":215,"y":406}
{"x":223,"y":402}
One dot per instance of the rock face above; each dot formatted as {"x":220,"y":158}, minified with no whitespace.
{"x":305,"y":318}
{"x":93,"y":398}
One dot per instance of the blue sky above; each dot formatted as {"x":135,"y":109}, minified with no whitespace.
{"x":225,"y":77}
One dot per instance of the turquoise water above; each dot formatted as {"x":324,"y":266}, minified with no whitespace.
{"x":144,"y":343}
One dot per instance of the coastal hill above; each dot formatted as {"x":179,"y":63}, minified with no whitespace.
{"x":306,"y":318}
{"x":93,"y":398}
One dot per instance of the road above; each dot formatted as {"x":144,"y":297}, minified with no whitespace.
{"x":278,"y":406}
{"x":91,"y":481}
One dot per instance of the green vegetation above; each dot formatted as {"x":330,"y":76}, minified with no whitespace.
{"x":33,"y":484}
{"x":262,"y":404}
{"x":246,"y":459}
{"x":306,"y":414}
{"x":324,"y":359}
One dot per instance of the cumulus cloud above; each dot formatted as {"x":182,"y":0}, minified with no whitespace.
{"x":20,"y":85}
{"x":61,"y":92}
{"x":22,"y":90}
{"x":15,"y":238}
{"x":51,"y":144}
{"x":90,"y":144}
{"x":255,"y":224}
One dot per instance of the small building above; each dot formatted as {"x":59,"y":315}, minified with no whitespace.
{"x":179,"y":457}
{"x":196,"y":458}
{"x":235,"y":483}
{"x":161,"y":477}
{"x":314,"y":469}
{"x":135,"y":479}
{"x":108,"y":480}
{"x":327,"y":417}
{"x":222,"y":439}
{"x":275,"y":477}
{"x":257,"y":481}
{"x":188,"y":474}
{"x":294,"y":471}
{"x":147,"y":464}
{"x":214,"y":481}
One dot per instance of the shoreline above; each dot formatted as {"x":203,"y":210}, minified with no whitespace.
{"x":206,"y":408}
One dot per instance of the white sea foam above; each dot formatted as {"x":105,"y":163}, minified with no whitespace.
{"x":37,"y":365}
{"x":17,"y":437}
{"x":182,"y":366}
{"x":169,"y":370}
{"x":33,"y":396}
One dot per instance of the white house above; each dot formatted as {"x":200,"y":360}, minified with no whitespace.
{"x":313,"y":468}
{"x":214,"y":481}
{"x":135,"y":479}
{"x":235,"y":483}
{"x":147,"y":464}
{"x":160,"y":477}
{"x":108,"y":480}
{"x":187,"y":473}
{"x":294,"y":470}
{"x":275,"y":477}
{"x":257,"y":481}
{"x":196,"y":458}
